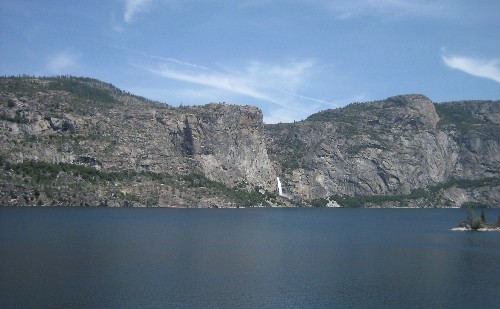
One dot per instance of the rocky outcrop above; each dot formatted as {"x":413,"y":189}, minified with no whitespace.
{"x":229,"y":145}
{"x":389,"y":147}
{"x":223,"y":142}
{"x":477,"y":223}
{"x":125,"y":150}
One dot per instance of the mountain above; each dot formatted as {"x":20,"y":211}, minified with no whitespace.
{"x":402,"y":151}
{"x":79,"y":141}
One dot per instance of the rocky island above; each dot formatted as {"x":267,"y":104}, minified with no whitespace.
{"x":477,"y":223}
{"x":70,"y":141}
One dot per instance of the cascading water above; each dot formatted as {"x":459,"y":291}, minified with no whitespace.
{"x":280,"y":190}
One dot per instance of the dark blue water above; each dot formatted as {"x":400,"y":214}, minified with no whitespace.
{"x":252,"y":258}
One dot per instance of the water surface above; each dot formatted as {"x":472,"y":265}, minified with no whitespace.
{"x":252,"y":258}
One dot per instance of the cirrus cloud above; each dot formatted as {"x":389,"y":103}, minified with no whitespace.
{"x":347,"y":9}
{"x":477,"y":67}
{"x":274,"y":83}
{"x":133,"y":7}
{"x":63,"y":62}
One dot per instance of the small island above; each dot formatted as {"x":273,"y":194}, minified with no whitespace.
{"x":477,"y":223}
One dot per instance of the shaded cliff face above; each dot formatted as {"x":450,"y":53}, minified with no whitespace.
{"x":223,"y":142}
{"x":389,"y":147}
{"x":227,"y":144}
{"x":90,"y":123}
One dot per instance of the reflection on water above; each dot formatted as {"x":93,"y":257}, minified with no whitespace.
{"x":95,"y":257}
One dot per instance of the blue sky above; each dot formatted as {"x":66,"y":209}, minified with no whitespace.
{"x":290,"y":58}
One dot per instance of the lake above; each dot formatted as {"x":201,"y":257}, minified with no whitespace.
{"x":245,"y":258}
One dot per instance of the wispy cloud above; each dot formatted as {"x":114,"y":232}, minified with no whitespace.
{"x":277,"y":84}
{"x":345,"y":9}
{"x":216,"y":80}
{"x":477,"y":67}
{"x":63,"y":62}
{"x":133,"y":7}
{"x":281,"y":89}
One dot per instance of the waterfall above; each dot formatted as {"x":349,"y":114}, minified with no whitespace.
{"x":280,"y":190}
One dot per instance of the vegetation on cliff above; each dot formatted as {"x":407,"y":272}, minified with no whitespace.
{"x":77,"y":141}
{"x":431,"y":195}
{"x":42,"y":183}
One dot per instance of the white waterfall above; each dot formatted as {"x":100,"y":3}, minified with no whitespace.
{"x":280,"y":190}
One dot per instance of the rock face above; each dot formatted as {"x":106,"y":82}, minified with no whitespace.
{"x":389,"y":147}
{"x":223,"y":142}
{"x":227,"y":143}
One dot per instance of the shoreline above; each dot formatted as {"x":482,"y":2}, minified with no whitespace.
{"x":483,"y":229}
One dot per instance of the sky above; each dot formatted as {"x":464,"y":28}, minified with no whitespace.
{"x":290,"y":58}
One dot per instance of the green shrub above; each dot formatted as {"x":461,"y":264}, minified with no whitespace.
{"x":473,"y":205}
{"x":320,"y":202}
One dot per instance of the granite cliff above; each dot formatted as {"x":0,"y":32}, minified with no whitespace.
{"x":79,"y":141}
{"x":403,"y":151}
